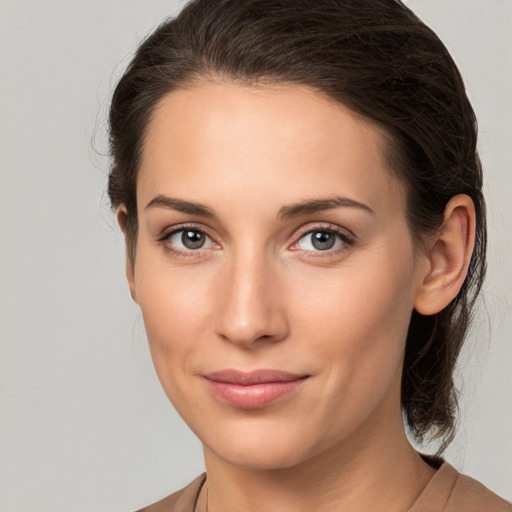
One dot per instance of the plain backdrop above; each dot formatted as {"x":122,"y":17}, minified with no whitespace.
{"x":84,"y":425}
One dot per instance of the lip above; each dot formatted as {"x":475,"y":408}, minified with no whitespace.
{"x":252,"y":390}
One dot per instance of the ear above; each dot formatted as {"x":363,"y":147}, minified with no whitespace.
{"x":448,"y":256}
{"x":122,"y":219}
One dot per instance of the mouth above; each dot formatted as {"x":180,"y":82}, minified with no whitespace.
{"x":252,"y":390}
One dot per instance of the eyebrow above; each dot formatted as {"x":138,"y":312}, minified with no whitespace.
{"x":292,"y":210}
{"x":181,"y":206}
{"x":318,"y":205}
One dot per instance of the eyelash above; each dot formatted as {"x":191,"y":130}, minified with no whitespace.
{"x":164,"y":239}
{"x":346,"y":241}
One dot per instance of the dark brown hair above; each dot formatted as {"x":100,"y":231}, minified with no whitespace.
{"x":379,"y":59}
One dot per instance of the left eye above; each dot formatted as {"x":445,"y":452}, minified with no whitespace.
{"x":189,"y":239}
{"x":320,"y":240}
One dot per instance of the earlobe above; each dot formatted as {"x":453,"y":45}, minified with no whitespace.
{"x":122,"y":219}
{"x":448,"y":257}
{"x":130,"y":276}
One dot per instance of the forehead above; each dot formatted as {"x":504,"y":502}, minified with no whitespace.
{"x":214,"y":140}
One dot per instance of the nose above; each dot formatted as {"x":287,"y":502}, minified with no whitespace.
{"x":250,"y":308}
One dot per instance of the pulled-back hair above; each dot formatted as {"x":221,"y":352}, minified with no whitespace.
{"x":380,"y":60}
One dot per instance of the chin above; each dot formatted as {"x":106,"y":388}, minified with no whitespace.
{"x":258,"y":449}
{"x":261,"y":459}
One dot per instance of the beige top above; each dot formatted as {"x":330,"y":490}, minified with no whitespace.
{"x":447,"y":491}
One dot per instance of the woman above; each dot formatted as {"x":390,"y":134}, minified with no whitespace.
{"x":301,"y":197}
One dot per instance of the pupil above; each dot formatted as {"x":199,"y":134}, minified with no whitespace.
{"x":323,"y":240}
{"x":192,"y":239}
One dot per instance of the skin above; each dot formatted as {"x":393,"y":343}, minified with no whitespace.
{"x":258,"y":294}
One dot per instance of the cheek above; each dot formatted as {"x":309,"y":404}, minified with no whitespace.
{"x":175,"y":306}
{"x":359,"y":317}
{"x":370,"y":294}
{"x":354,"y":327}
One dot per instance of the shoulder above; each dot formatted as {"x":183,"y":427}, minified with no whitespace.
{"x":450,"y":491}
{"x":181,"y":501}
{"x":469,"y":495}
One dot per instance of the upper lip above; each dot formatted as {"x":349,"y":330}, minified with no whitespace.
{"x":253,"y":377}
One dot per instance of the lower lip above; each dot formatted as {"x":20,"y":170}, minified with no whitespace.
{"x":253,"y":396}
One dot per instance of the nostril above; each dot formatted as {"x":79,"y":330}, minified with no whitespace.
{"x":251,"y":337}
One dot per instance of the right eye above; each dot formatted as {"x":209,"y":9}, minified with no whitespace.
{"x":188,"y":239}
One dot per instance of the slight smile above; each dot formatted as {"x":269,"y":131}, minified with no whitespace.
{"x":252,"y":390}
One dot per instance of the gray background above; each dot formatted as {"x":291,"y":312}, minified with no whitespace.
{"x":84,"y":425}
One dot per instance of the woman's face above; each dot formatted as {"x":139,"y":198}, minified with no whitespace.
{"x":275,"y":271}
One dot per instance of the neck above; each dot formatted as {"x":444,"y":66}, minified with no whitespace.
{"x":366,"y":472}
